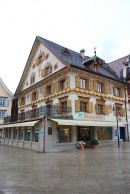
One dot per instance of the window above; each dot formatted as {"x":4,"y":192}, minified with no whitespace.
{"x":22,"y":101}
{"x":35,"y":135}
{"x":32,"y":79}
{"x":83,"y":83}
{"x":99,"y":87}
{"x":2,"y":114}
{"x":27,"y":134}
{"x":100,"y":109}
{"x":48,"y":70}
{"x":40,"y":58}
{"x":3,"y":101}
{"x":64,"y":134}
{"x":117,"y":92}
{"x":15,"y":134}
{"x":83,"y":106}
{"x":48,"y":90}
{"x":64,"y":106}
{"x":34,"y":96}
{"x":20,"y":134}
{"x":62,"y":84}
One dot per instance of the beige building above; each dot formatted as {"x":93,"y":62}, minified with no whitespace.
{"x":5,"y":102}
{"x":63,"y":97}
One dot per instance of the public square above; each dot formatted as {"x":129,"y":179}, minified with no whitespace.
{"x":100,"y":171}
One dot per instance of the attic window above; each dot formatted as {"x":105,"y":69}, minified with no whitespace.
{"x":95,"y":67}
{"x":65,"y":51}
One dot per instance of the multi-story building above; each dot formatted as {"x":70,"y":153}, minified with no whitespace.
{"x":63,"y":97}
{"x":5,"y":102}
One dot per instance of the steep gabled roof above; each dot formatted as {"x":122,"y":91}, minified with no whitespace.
{"x":68,"y":57}
{"x":118,"y":65}
{"x":5,"y":88}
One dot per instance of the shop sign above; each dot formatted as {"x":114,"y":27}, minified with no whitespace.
{"x":86,"y":116}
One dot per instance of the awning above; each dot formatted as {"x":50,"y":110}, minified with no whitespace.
{"x":24,"y":124}
{"x":88,"y":123}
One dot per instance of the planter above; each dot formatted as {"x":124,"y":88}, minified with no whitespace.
{"x":94,"y":146}
{"x":82,"y":147}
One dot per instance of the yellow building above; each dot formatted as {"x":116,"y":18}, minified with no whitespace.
{"x":64,"y":97}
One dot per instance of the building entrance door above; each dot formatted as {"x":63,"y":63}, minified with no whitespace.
{"x":122,"y":133}
{"x":84,"y":134}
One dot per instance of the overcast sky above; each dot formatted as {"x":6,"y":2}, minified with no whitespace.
{"x":75,"y":24}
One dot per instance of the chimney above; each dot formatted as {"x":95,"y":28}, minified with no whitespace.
{"x":82,"y":53}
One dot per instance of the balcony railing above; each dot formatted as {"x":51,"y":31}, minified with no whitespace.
{"x":43,"y":111}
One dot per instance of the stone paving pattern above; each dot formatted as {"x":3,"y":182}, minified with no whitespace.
{"x":105,"y":170}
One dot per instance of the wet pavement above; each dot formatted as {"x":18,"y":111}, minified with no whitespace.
{"x":105,"y":170}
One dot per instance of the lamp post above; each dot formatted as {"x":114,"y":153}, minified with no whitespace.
{"x":117,"y":112}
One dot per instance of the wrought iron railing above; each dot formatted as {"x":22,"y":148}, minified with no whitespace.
{"x":43,"y":111}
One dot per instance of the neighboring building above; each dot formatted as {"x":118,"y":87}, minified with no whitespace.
{"x":5,"y":102}
{"x":63,"y":97}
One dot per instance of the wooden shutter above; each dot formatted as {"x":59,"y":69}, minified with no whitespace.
{"x":43,"y":72}
{"x":90,"y":107}
{"x":31,"y":97}
{"x":43,"y":56}
{"x":95,"y":86}
{"x":114,"y":91}
{"x":77,"y":81}
{"x":106,"y":110}
{"x":123,"y":113}
{"x":56,"y":86}
{"x":36,"y":95}
{"x":106,"y":88}
{"x":37,"y":61}
{"x":90,"y":84}
{"x":52,"y":88}
{"x":114,"y":112}
{"x":77,"y":106}
{"x":67,"y":83}
{"x":122,"y":95}
{"x":96,"y":108}
{"x":69,"y":103}
{"x":44,"y":91}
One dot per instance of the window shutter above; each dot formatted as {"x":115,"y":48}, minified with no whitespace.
{"x":114,"y":112}
{"x":56,"y":86}
{"x":44,"y":91}
{"x":67,"y":82}
{"x":90,"y":84}
{"x":43,"y":56}
{"x":114,"y":91}
{"x":52,"y":88}
{"x":77,"y":81}
{"x":31,"y":97}
{"x":37,"y":61}
{"x":43,"y":72}
{"x":123,"y":113}
{"x":69,"y":103}
{"x":90,"y":107}
{"x":96,"y":108}
{"x":106,"y":109}
{"x":122,"y":93}
{"x":36,"y":95}
{"x":106,"y":88}
{"x":95,"y":86}
{"x":77,"y":106}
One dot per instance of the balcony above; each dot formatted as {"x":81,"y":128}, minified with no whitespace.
{"x":43,"y":111}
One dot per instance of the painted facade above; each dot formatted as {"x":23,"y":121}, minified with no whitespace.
{"x":64,"y":97}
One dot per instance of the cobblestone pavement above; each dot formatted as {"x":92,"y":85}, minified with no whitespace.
{"x":105,"y":170}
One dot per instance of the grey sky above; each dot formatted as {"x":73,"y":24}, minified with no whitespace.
{"x":71,"y":23}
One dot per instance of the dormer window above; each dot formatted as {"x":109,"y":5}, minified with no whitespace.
{"x":65,"y":51}
{"x":95,"y":67}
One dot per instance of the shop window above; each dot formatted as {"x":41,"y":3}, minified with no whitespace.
{"x":27,"y":134}
{"x":83,"y":83}
{"x":10,"y":133}
{"x":6,"y":133}
{"x":35,"y":135}
{"x":15,"y":134}
{"x":20,"y":134}
{"x":49,"y":130}
{"x":64,"y":134}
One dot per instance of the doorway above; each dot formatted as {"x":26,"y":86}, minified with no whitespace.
{"x":84,"y":133}
{"x":122,"y":133}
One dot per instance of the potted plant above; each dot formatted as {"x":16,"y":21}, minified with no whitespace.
{"x":81,"y":145}
{"x":94,"y":143}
